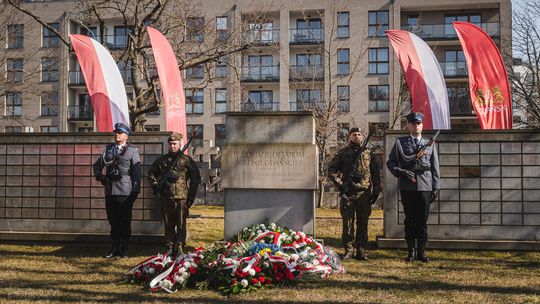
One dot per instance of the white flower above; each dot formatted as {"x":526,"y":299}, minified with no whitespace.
{"x":185,"y":275}
{"x":194,"y":265}
{"x":295,"y":257}
{"x":315,"y":262}
{"x":251,"y":272}
{"x":179,"y":278}
{"x":262,"y":241}
{"x":187,"y":264}
{"x":245,"y":229}
{"x":183,"y":269}
{"x":244,"y":283}
{"x":303,"y":255}
{"x":151,"y":270}
{"x":263,"y":226}
{"x":266,"y":265}
{"x":166,"y":284}
{"x":297,"y":237}
{"x":259,"y":231}
{"x":272,"y":226}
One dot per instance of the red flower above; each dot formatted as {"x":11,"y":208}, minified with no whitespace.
{"x":261,"y":279}
{"x":254,"y":281}
{"x":275,"y":267}
{"x":290,"y":276}
{"x":257,"y":269}
{"x":234,"y":281}
{"x":192,"y":270}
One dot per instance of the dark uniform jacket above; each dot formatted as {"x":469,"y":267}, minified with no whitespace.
{"x":364,"y":176}
{"x":403,"y":156}
{"x":128,"y":166}
{"x":177,"y":185}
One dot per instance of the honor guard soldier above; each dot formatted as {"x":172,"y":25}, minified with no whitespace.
{"x":174,"y":178}
{"x":413,"y":159}
{"x":355,"y":173}
{"x":122,"y":181}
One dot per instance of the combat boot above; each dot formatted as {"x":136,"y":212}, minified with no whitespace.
{"x":411,"y":251}
{"x":123,"y":251}
{"x":422,"y":252}
{"x":113,"y":252}
{"x":361,"y":254}
{"x":348,"y":254}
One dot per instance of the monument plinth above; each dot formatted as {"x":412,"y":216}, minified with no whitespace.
{"x":270,"y":170}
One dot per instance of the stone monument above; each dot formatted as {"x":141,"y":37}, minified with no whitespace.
{"x":270,"y":170}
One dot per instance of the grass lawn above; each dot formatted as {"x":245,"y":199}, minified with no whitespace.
{"x":75,"y":273}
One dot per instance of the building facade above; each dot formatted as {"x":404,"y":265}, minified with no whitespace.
{"x":301,"y":55}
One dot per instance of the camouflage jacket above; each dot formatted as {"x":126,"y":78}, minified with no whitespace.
{"x":365,"y":175}
{"x":176,"y":187}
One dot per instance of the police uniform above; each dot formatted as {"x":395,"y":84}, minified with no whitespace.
{"x":362,"y":191}
{"x":418,"y":184}
{"x":175,"y":196}
{"x":122,"y":182}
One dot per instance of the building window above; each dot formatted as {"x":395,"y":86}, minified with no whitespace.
{"x":413,"y":20}
{"x":343,"y":94}
{"x":378,"y":23}
{"x":49,"y":104}
{"x":49,"y":69}
{"x":260,"y":101}
{"x":378,"y":61}
{"x":194,"y":101}
{"x":49,"y":37}
{"x":220,"y":135}
{"x":13,"y":104}
{"x":48,"y":129}
{"x":459,"y":100}
{"x":261,"y":32}
{"x":449,"y":30}
{"x":85,"y":129}
{"x":222,"y":28}
{"x":195,"y":132}
{"x":14,"y":70}
{"x":343,"y":66}
{"x":343,"y":132}
{"x":343,"y":25}
{"x":222,"y":67}
{"x":194,"y":72}
{"x":121,"y":34}
{"x":151,"y":128}
{"x":13,"y":129}
{"x":89,"y":31}
{"x":15,"y":36}
{"x":378,"y":98}
{"x":221,"y":100}
{"x":125,"y":70}
{"x":261,"y":68}
{"x":195,"y":29}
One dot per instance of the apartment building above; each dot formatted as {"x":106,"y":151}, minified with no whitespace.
{"x":301,"y":55}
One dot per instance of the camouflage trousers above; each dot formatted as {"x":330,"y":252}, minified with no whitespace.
{"x":174,"y":213}
{"x":358,"y":208}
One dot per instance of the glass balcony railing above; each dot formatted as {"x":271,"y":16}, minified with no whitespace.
{"x":262,"y":36}
{"x":80,"y":112}
{"x":260,"y":73}
{"x":460,"y":106}
{"x":307,"y":105}
{"x":307,"y":36}
{"x":447,"y":31}
{"x":454,"y":69}
{"x":306,"y":73}
{"x":76,"y":78}
{"x":254,"y":106}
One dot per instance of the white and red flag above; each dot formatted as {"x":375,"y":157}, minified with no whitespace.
{"x":170,"y":81}
{"x":104,"y":82}
{"x":424,"y":78}
{"x":488,"y":81}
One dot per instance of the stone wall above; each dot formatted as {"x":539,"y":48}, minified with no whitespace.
{"x":47,"y":189}
{"x":490,"y":192}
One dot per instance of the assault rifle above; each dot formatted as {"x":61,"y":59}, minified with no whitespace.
{"x":430,"y":143}
{"x":167,"y":175}
{"x":347,"y":181}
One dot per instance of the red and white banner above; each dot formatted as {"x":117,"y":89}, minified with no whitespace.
{"x":104,"y":82}
{"x":488,"y":81}
{"x":171,"y":82}
{"x":424,"y":78}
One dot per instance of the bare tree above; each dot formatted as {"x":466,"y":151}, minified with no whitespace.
{"x":525,"y":78}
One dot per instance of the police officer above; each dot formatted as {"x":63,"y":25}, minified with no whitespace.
{"x":174,"y":177}
{"x":122,"y":181}
{"x":355,"y":172}
{"x":418,"y":183}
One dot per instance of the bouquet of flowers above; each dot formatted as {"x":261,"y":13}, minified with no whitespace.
{"x":263,"y":255}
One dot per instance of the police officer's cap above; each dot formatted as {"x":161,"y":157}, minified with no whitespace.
{"x":352,"y":130}
{"x":120,"y":127}
{"x":415,"y":116}
{"x":175,"y":137}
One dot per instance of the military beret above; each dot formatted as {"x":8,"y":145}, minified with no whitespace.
{"x":120,"y":127}
{"x":175,"y":137}
{"x":415,"y":116}
{"x":352,"y":130}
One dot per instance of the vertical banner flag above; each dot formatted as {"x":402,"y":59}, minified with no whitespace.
{"x":488,"y":81}
{"x":104,"y":82}
{"x":424,"y":78}
{"x":171,"y":82}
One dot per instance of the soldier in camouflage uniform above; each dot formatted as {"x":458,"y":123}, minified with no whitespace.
{"x":358,"y":193}
{"x":175,"y":196}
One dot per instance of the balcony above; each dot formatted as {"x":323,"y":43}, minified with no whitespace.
{"x":260,"y":73}
{"x":454,"y":69}
{"x":460,"y":106}
{"x":307,"y":105}
{"x":306,"y":73}
{"x":80,"y":112}
{"x":250,"y":106}
{"x":447,"y":31}
{"x":262,"y":37}
{"x":76,"y":78}
{"x":115,"y":42}
{"x":307,"y":36}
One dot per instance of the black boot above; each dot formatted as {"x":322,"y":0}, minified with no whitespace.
{"x":348,"y":254}
{"x":114,"y":250}
{"x":169,"y":251}
{"x":411,"y":251}
{"x":361,"y":254}
{"x":123,"y":251}
{"x":422,"y":252}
